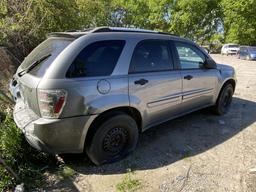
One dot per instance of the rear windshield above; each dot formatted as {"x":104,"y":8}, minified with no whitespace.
{"x":53,"y":46}
{"x":233,"y":46}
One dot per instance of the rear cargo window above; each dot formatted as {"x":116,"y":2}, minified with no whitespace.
{"x":52,"y":46}
{"x":97,"y":59}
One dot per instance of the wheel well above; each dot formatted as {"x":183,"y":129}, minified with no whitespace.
{"x":134,"y":113}
{"x":230,"y":81}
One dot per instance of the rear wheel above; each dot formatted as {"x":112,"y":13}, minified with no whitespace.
{"x":113,"y":140}
{"x":225,"y":98}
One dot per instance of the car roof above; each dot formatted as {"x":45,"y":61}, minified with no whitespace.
{"x":246,"y":46}
{"x":230,"y":44}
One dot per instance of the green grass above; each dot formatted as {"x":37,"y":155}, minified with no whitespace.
{"x":128,"y":183}
{"x":65,"y":172}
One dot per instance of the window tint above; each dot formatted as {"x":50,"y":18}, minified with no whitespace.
{"x":97,"y":59}
{"x":150,"y":56}
{"x":190,"y":57}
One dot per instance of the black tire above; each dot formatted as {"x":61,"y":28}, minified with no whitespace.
{"x":114,"y":139}
{"x":224,"y":100}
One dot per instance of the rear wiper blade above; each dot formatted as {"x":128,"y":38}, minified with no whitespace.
{"x":34,"y":64}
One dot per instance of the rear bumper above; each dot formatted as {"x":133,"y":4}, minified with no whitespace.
{"x":53,"y":135}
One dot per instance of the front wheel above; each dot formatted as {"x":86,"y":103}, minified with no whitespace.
{"x":113,"y":139}
{"x":224,"y":100}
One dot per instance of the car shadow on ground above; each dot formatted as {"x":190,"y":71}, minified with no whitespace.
{"x":176,"y":139}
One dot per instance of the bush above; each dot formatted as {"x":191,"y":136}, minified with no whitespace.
{"x":10,"y":141}
{"x":19,"y":156}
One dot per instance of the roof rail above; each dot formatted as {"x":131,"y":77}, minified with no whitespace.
{"x":77,"y":33}
{"x":123,"y":29}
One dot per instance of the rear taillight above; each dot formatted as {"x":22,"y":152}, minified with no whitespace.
{"x":51,"y":102}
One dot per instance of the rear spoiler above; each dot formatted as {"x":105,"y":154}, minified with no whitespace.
{"x":65,"y":34}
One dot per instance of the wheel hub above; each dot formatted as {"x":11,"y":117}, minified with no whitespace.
{"x":115,"y":140}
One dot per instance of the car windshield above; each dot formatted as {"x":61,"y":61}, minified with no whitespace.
{"x":233,"y":46}
{"x":252,"y":49}
{"x":51,"y":46}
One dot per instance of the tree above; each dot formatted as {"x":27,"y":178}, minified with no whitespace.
{"x":25,"y":23}
{"x":149,"y":14}
{"x":93,"y":13}
{"x":240,"y":21}
{"x":195,"y":19}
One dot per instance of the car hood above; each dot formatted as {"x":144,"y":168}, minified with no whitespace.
{"x":224,"y":67}
{"x":227,"y":71}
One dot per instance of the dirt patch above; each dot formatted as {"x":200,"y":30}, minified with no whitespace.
{"x":198,"y":152}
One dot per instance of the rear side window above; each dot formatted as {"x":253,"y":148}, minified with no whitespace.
{"x":97,"y":59}
{"x":151,"y":56}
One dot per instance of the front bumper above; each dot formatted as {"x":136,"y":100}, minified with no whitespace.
{"x":52,"y":135}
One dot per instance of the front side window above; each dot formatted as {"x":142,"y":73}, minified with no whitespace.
{"x":97,"y":59}
{"x":151,"y":56}
{"x":190,"y":57}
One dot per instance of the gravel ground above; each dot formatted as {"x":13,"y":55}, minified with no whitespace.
{"x":198,"y":152}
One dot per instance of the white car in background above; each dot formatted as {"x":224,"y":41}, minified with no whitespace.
{"x":229,"y":49}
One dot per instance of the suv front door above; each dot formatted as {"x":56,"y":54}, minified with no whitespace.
{"x":154,"y":88}
{"x":198,"y":83}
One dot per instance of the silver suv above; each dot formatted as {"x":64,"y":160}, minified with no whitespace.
{"x":95,"y":91}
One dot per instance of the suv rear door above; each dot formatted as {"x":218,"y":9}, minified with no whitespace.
{"x":198,"y":83}
{"x":154,"y":87}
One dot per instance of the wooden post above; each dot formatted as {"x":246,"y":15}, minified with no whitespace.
{"x":9,"y":169}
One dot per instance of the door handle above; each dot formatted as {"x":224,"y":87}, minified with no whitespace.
{"x":188,"y":77}
{"x":141,"y":82}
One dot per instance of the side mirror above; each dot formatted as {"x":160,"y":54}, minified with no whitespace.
{"x":210,"y":64}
